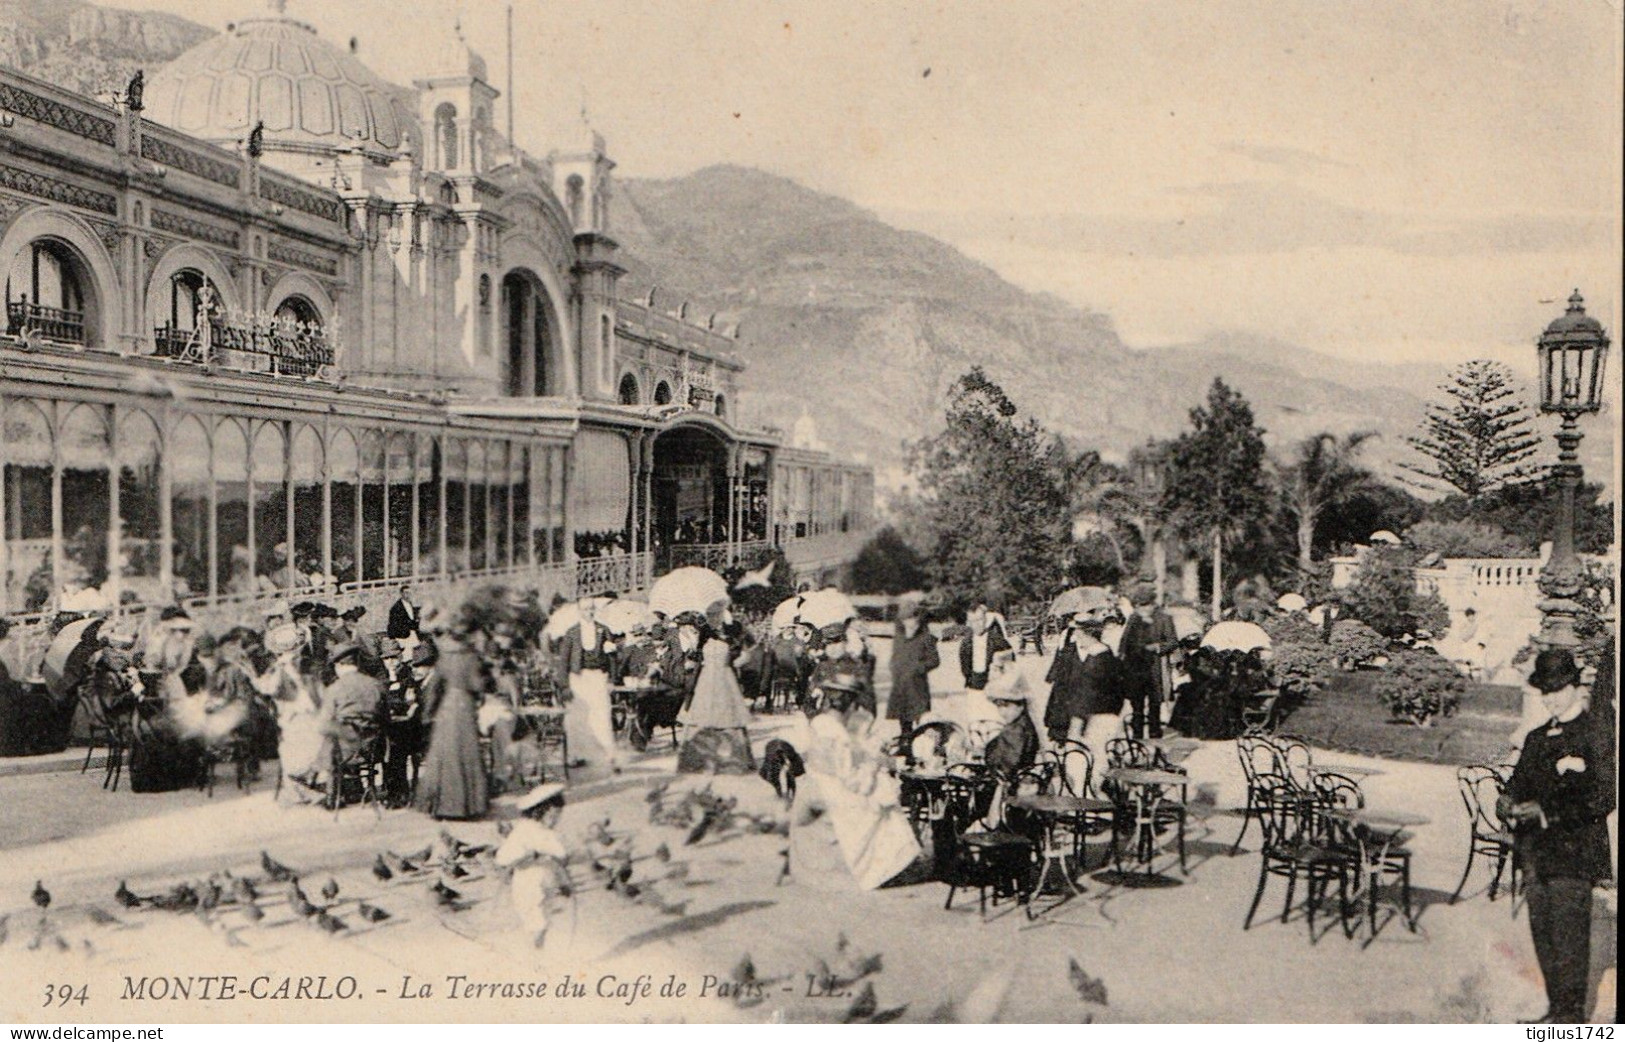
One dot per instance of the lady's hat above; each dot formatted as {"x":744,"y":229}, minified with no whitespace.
{"x":354,"y":614}
{"x":174,"y":617}
{"x":547,"y":792}
{"x":1555,"y":669}
{"x":1016,"y":691}
{"x":279,"y":640}
{"x":345,"y":652}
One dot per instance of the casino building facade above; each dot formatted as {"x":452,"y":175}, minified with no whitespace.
{"x":276,"y":327}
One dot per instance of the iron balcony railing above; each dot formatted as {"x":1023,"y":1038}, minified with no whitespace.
{"x":64,"y":324}
{"x":286,"y":351}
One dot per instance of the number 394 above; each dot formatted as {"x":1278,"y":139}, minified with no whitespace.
{"x":62,"y":994}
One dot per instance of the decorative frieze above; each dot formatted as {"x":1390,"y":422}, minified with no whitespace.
{"x":26,"y":103}
{"x":65,"y":192}
{"x":328,"y":209}
{"x":184,"y":159}
{"x":192,"y":228}
{"x":292,"y":255}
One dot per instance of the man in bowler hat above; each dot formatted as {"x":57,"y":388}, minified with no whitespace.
{"x":1557,"y":802}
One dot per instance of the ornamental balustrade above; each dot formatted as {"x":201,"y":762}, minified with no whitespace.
{"x":62,"y":324}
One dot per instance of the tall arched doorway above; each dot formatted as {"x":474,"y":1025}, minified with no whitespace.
{"x":529,"y":359}
{"x":690,"y":494}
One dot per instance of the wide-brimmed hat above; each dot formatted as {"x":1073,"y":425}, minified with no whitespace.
{"x":1555,"y":669}
{"x":347,"y":650}
{"x":354,"y":614}
{"x":279,"y":640}
{"x":547,"y":792}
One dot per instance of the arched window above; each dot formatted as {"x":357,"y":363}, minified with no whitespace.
{"x":298,"y":309}
{"x":445,"y":135}
{"x":185,"y":295}
{"x":45,"y":292}
{"x":631,"y":394}
{"x":573,"y":188}
{"x":662,"y":393}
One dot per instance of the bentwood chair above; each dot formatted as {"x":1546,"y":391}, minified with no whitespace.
{"x":1289,"y":853}
{"x":984,"y":854}
{"x":1369,"y":856}
{"x":1481,"y":786}
{"x":1258,"y":757}
{"x":1075,"y":777}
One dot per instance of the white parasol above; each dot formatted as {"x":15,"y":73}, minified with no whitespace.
{"x":567,"y":615}
{"x":826,"y":607}
{"x":1292,"y":602}
{"x":788,"y":613}
{"x":1236,"y":636}
{"x":625,"y":615}
{"x":1188,"y":622}
{"x":54,"y":666}
{"x":1080,"y":599}
{"x":687,"y":589}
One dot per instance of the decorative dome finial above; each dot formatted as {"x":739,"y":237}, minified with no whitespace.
{"x":1577,"y":303}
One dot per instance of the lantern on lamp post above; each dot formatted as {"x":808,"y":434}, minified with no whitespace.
{"x":1148,"y":468}
{"x":1573,"y":356}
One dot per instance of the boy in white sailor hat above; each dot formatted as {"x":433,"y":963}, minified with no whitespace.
{"x":536,"y":854}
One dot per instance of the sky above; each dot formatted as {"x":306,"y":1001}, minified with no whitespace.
{"x":1382,"y":180}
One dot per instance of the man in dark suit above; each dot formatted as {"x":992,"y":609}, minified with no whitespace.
{"x":981,"y":646}
{"x":1148,"y":636}
{"x":403,"y":616}
{"x":1558,"y":801}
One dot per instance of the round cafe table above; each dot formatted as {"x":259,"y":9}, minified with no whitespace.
{"x":1378,"y":836}
{"x":1052,"y":810}
{"x":1148,"y":795}
{"x":1347,"y":770}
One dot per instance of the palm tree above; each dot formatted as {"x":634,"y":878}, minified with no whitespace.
{"x":1324,"y":471}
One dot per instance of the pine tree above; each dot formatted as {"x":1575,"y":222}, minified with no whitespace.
{"x":1478,"y":436}
{"x":992,"y":493}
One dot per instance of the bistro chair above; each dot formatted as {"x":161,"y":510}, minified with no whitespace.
{"x":1481,"y":786}
{"x":111,"y":727}
{"x":1075,"y":776}
{"x":985,"y":855}
{"x":1164,"y":806}
{"x":1288,"y":853}
{"x":1258,"y":757}
{"x":358,"y":773}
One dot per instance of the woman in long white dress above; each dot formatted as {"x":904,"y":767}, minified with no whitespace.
{"x":847,"y":825}
{"x":298,"y":714}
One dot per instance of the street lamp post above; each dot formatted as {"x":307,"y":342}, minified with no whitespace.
{"x":1573,"y":356}
{"x":1148,"y":467}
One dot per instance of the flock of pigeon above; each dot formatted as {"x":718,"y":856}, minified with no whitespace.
{"x":234,"y":903}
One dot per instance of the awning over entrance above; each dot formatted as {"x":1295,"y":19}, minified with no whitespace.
{"x":601,"y":491}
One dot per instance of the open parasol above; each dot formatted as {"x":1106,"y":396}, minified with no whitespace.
{"x":1236,"y":636}
{"x":788,"y":613}
{"x":1080,"y":599}
{"x":567,"y":615}
{"x":687,"y":589}
{"x":1188,"y":622}
{"x":623,"y":616}
{"x":826,"y":607}
{"x":1292,"y":602}
{"x":72,"y":642}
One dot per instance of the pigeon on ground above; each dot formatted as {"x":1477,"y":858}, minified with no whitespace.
{"x":371,"y":913}
{"x":380,"y":870}
{"x":330,"y":923}
{"x":1089,"y":989}
{"x":124,"y":896}
{"x":252,"y":912}
{"x":246,"y":894}
{"x":41,"y":896}
{"x":101,"y":918}
{"x":330,"y":890}
{"x":275,"y":869}
{"x":443,"y":893}
{"x":300,"y":903}
{"x":662,"y":853}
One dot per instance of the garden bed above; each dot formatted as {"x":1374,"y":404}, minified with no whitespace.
{"x":1349,"y":717}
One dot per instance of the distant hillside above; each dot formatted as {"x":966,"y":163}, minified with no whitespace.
{"x":86,"y":48}
{"x":869,"y":324}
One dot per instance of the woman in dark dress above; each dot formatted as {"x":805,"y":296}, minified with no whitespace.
{"x":1083,"y":680}
{"x":913,"y":657}
{"x":451,"y":779}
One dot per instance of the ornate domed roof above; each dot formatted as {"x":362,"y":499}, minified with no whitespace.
{"x":1575,"y":320}
{"x":310,"y":94}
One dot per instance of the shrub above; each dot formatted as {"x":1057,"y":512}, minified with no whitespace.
{"x":1300,"y":661}
{"x":1355,"y":644}
{"x":1384,"y":596}
{"x":1419,"y":685}
{"x":886,"y":564}
{"x":1463,"y":539}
